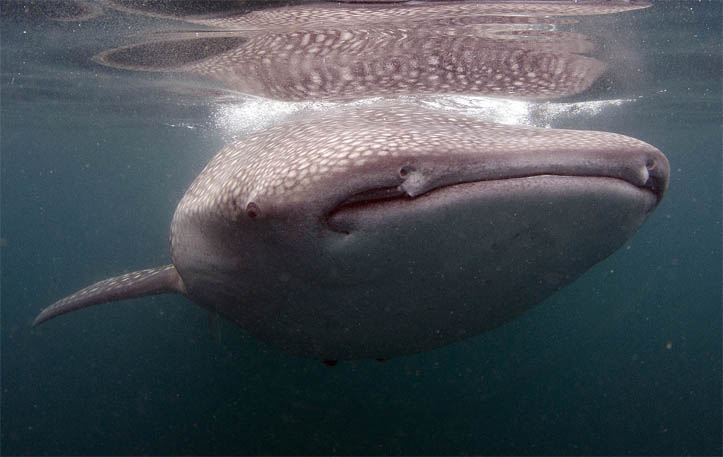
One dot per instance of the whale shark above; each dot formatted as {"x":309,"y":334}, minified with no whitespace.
{"x":381,"y":230}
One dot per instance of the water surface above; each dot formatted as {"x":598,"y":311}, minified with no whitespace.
{"x":94,"y":159}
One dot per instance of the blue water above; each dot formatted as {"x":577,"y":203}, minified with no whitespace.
{"x":626,"y":360}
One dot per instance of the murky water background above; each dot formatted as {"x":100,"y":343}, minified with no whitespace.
{"x":625,"y":360}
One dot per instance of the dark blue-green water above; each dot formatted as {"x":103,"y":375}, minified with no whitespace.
{"x":626,"y":360}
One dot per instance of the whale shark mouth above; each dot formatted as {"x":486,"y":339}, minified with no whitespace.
{"x":375,"y":198}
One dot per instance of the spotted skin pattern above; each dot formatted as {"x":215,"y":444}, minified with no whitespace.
{"x":345,"y":64}
{"x":314,"y":15}
{"x":344,"y":52}
{"x":285,"y":163}
{"x":152,"y":281}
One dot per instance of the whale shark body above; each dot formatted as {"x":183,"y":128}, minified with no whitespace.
{"x":383,"y":230}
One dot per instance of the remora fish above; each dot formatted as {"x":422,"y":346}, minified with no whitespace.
{"x":373,"y":232}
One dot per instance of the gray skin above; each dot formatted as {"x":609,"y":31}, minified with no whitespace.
{"x":379,"y":231}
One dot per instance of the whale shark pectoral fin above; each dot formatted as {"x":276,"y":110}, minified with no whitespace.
{"x":152,"y":281}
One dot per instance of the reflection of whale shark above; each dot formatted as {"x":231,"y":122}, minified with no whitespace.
{"x":344,"y":64}
{"x":341,"y":52}
{"x":371,"y":232}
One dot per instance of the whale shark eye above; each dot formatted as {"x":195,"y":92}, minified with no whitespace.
{"x":404,"y":171}
{"x":252,"y":210}
{"x":650,"y":164}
